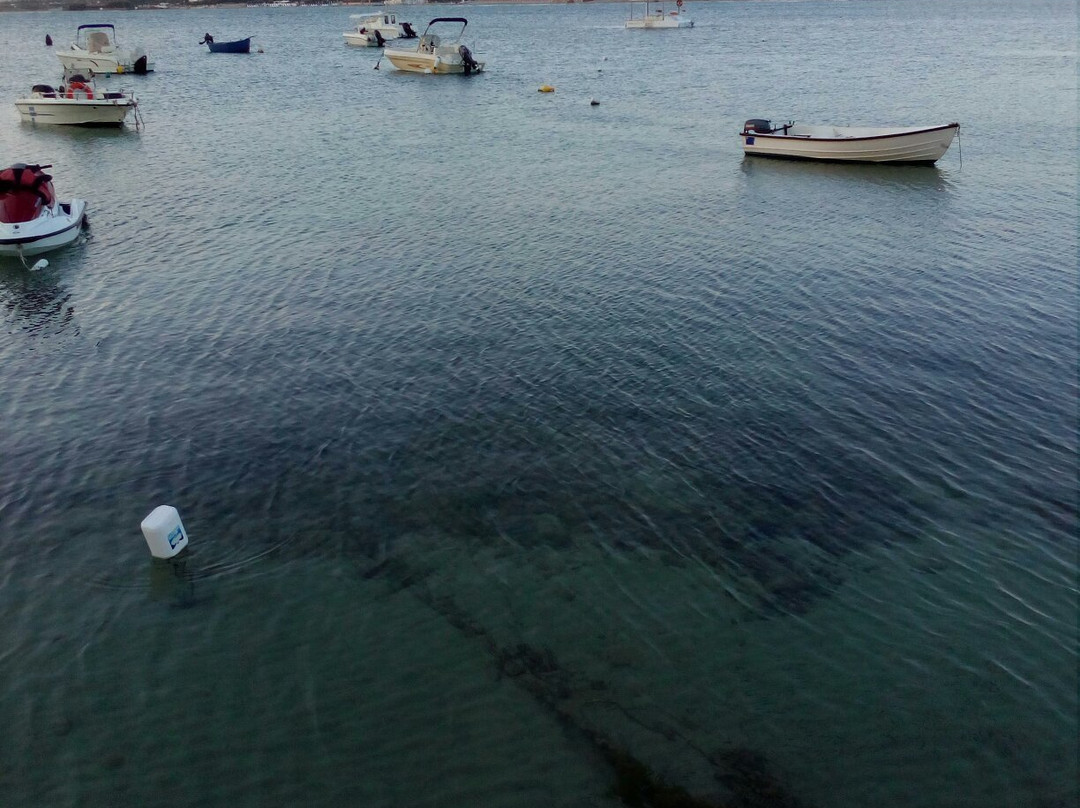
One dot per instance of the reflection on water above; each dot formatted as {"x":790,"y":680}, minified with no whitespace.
{"x":39,"y":306}
{"x":170,"y":582}
{"x":79,"y":134}
{"x":893,"y":176}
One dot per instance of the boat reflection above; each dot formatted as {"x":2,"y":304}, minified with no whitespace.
{"x":893,"y":176}
{"x":37,"y":306}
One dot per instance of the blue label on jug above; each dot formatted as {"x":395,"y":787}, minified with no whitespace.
{"x":175,"y":537}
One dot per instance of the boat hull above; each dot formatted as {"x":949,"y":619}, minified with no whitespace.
{"x":909,"y":146}
{"x":660,"y":22}
{"x":238,"y":46}
{"x":56,"y":227}
{"x":75,"y":112}
{"x":80,"y":61}
{"x":412,"y":61}
{"x":358,"y":40}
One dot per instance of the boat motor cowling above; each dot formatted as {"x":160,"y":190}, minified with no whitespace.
{"x":758,"y":126}
{"x":467,"y":60}
{"x":24,"y":191}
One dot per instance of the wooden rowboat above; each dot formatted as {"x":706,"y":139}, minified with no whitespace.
{"x":236,"y":46}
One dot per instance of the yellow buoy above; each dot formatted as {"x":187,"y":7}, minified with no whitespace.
{"x":546,"y":88}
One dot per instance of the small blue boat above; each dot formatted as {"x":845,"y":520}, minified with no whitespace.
{"x":238,"y":46}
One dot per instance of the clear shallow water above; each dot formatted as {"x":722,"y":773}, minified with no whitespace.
{"x":519,"y":439}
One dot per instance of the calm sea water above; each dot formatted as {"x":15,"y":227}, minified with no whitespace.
{"x":537,"y":453}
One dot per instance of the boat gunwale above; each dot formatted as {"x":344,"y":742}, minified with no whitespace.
{"x":16,"y":241}
{"x":126,"y":101}
{"x":852,"y":139}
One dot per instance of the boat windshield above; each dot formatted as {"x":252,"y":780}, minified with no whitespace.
{"x":97,"y":41}
{"x":96,"y":36}
{"x":428,"y":36}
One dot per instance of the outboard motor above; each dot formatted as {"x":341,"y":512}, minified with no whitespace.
{"x":24,"y":191}
{"x":758,"y":126}
{"x":467,"y":60}
{"x":140,"y":66}
{"x":379,"y":38}
{"x":407,"y":31}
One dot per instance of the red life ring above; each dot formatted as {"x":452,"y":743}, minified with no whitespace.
{"x":78,"y":85}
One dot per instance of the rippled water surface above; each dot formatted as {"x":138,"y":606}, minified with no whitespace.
{"x":538,"y":453}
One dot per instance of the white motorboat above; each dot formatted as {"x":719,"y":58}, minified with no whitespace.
{"x":374,"y":30}
{"x":32,"y":221}
{"x":77,"y":103}
{"x":652,"y":15}
{"x":95,"y":51}
{"x":434,"y":54}
{"x":907,"y":145}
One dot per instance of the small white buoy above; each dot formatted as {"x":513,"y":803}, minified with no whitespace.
{"x":164,"y":532}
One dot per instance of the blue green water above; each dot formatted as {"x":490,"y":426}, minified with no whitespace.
{"x":523,"y":442}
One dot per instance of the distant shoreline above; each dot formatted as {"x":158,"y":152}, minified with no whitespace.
{"x":91,"y":8}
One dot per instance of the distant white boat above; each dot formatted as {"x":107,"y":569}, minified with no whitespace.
{"x":435,"y":54}
{"x":651,"y":14}
{"x":909,"y":145}
{"x":374,"y":30}
{"x":95,"y":51}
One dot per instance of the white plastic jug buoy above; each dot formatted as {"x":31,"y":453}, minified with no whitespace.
{"x":164,"y":532}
